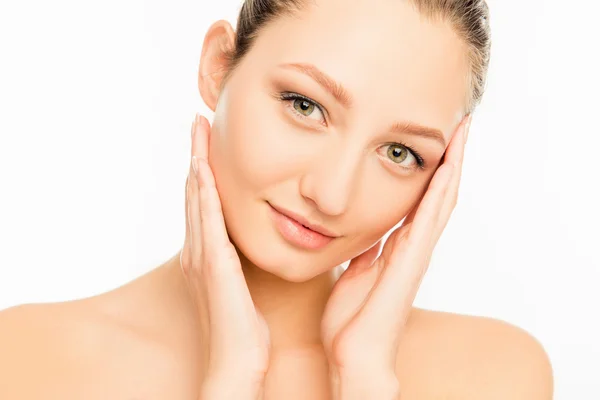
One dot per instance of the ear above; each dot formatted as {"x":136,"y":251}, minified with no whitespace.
{"x":219,"y":38}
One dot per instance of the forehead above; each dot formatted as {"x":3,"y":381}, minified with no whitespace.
{"x":393,"y":60}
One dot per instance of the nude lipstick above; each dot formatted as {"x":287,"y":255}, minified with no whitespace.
{"x":298,"y":231}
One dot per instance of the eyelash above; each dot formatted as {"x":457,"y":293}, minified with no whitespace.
{"x":420,"y":160}
{"x":290,"y":96}
{"x":287,"y":96}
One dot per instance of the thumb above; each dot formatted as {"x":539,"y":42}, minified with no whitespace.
{"x":363,"y":260}
{"x":348,"y":294}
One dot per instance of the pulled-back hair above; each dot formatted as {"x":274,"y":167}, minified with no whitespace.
{"x":469,"y":19}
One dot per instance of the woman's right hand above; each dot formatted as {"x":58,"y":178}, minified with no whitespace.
{"x":237,"y":335}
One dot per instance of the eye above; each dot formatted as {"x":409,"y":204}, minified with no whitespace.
{"x":303,"y":107}
{"x":404,"y":156}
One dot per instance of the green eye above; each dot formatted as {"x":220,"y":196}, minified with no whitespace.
{"x":397,"y":153}
{"x":304,"y":107}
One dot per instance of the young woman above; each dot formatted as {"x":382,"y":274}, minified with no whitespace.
{"x":333,"y":122}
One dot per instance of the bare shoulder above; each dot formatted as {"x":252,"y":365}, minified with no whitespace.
{"x":23,"y":331}
{"x":29,"y":348}
{"x":67,"y":350}
{"x":478,"y":357}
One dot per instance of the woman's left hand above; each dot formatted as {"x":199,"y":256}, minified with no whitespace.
{"x":366,"y":313}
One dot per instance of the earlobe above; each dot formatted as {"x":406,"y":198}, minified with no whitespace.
{"x":219,"y":39}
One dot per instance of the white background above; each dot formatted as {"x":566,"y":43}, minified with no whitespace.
{"x":96,"y":101}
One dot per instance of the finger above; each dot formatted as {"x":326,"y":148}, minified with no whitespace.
{"x":186,"y":246}
{"x":454,"y":154}
{"x":392,"y":298}
{"x":434,"y":212}
{"x":349,"y":294}
{"x":185,"y":255}
{"x":363,"y":261}
{"x":194,"y":221}
{"x":392,"y":240}
{"x":199,"y":134}
{"x":230,"y":301}
{"x":216,"y":241}
{"x":401,"y":233}
{"x":414,"y":243}
{"x":200,"y":137}
{"x":350,"y":291}
{"x":427,"y":213}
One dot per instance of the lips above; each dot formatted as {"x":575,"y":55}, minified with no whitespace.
{"x":299,"y":232}
{"x":304,"y":222}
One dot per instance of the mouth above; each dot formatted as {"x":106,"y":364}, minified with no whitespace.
{"x":298,"y":231}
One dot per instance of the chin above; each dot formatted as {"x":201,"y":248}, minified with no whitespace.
{"x":278,"y":258}
{"x":260,"y":242}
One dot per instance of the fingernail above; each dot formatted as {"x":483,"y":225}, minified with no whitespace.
{"x":205,"y":126}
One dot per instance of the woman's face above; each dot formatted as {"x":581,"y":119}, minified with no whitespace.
{"x":354,"y":161}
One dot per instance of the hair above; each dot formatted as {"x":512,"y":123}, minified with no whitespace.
{"x":469,"y":19}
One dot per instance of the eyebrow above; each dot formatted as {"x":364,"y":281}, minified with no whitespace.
{"x":412,"y":128}
{"x":344,"y":97}
{"x":334,"y":88}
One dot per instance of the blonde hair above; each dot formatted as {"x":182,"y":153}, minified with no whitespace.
{"x":469,"y":19}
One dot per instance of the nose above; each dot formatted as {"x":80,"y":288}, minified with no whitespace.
{"x":330,"y":182}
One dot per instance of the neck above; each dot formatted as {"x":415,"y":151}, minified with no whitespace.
{"x":293,"y":310}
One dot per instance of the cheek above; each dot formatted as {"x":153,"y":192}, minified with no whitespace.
{"x":382,"y":206}
{"x":253,"y":149}
{"x":253,"y":144}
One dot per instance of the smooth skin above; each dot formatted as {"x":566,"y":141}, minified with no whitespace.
{"x":367,"y":309}
{"x":171,"y":334}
